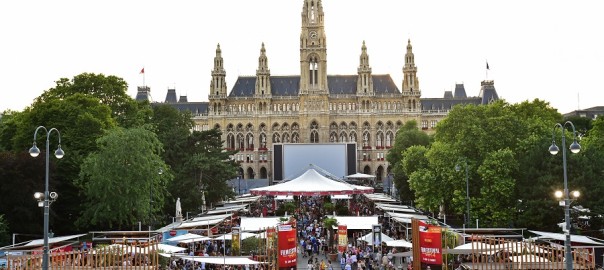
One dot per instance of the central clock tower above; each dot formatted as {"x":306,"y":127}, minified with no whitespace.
{"x":313,"y":50}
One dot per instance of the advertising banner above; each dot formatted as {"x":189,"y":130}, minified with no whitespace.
{"x":287,"y":246}
{"x":376,"y":236}
{"x":342,"y":238}
{"x":430,"y":243}
{"x":236,"y":241}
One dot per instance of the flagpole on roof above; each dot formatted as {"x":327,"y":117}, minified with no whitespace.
{"x":487,"y":70}
{"x":143,"y":72}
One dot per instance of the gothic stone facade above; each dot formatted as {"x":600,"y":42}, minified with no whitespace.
{"x":314,"y":107}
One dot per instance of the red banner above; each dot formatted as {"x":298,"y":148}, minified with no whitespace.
{"x":287,"y":246}
{"x":342,"y":238}
{"x":430,"y":243}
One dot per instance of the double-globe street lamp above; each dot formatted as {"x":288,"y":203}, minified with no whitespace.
{"x":553,"y":149}
{"x":34,"y":152}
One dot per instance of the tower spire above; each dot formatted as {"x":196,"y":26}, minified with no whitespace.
{"x":263,"y":74}
{"x":218,"y":88}
{"x":218,"y":84}
{"x":411,"y":91}
{"x":364,"y":79}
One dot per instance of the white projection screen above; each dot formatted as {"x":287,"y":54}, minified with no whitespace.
{"x":292,"y":159}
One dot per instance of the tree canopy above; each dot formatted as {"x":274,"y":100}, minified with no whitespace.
{"x":504,"y":147}
{"x":120,"y":181}
{"x":407,"y":136}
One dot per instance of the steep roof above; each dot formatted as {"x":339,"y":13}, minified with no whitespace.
{"x":290,"y":85}
{"x":447,"y":103}
{"x":196,"y":108}
{"x":488,"y":92}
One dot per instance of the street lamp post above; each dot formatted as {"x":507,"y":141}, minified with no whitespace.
{"x":574,"y":148}
{"x":458,"y":168}
{"x":34,"y":152}
{"x":160,"y":172}
{"x":239,"y":184}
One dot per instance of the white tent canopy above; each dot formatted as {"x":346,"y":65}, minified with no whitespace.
{"x":222,"y":260}
{"x":573,"y":238}
{"x":193,"y":224}
{"x":395,"y":209}
{"x":257,"y":224}
{"x":229,"y":236}
{"x":202,"y":218}
{"x":284,"y":198}
{"x":311,"y":183}
{"x":227,"y":209}
{"x":187,"y":238}
{"x":360,"y":176}
{"x":356,"y":222}
{"x":380,"y":197}
{"x":369,"y":238}
{"x":243,"y":199}
{"x":399,"y":243}
{"x":52,"y":240}
{"x":164,"y":248}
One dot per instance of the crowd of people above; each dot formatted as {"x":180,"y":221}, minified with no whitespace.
{"x":314,"y":238}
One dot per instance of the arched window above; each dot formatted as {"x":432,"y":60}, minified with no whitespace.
{"x":314,"y":136}
{"x":240,"y":141}
{"x":333,"y":137}
{"x":250,"y":140}
{"x":230,"y":141}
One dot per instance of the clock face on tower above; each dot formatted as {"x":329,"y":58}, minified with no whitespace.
{"x":312,"y":34}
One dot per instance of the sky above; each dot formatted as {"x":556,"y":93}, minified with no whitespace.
{"x":548,"y":50}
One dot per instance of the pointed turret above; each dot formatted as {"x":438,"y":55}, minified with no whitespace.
{"x":263,"y":74}
{"x":312,"y":12}
{"x":411,"y":91}
{"x":218,"y":87}
{"x":364,"y":80}
{"x":218,"y":84}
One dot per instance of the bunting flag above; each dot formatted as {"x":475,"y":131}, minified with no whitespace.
{"x":143,"y":70}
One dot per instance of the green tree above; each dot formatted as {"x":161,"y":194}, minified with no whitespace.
{"x":119,"y":179}
{"x":207,"y":167}
{"x":22,"y":176}
{"x":408,"y":135}
{"x":80,"y":120}
{"x":4,"y":232}
{"x":173,"y":129}
{"x":110,"y":90}
{"x":586,"y":174}
{"x":8,"y":128}
{"x":505,"y":148}
{"x":497,"y":174}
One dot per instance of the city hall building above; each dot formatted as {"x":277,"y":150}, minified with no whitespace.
{"x":314,"y":107}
